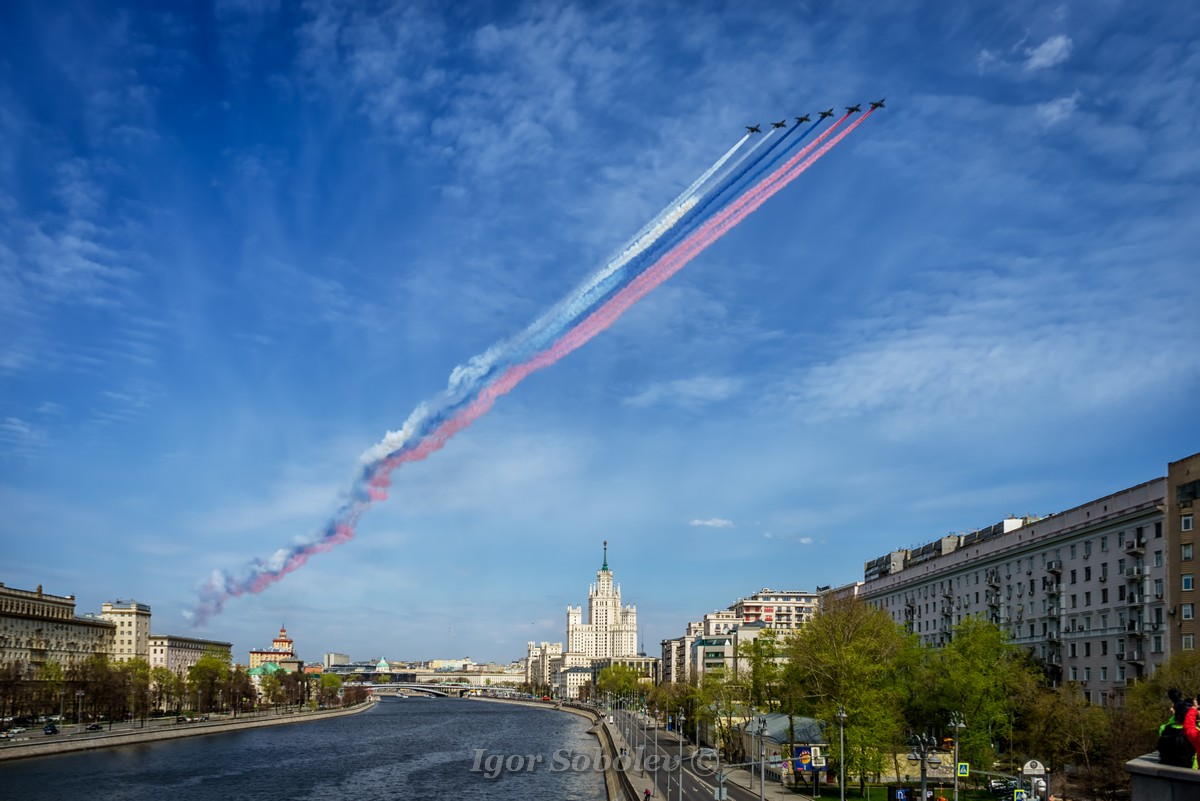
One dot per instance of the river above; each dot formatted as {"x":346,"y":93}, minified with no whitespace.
{"x":416,"y":749}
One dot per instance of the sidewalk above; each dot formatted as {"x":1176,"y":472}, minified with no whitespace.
{"x":739,"y":777}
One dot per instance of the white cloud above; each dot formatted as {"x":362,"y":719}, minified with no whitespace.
{"x":713,"y":522}
{"x":1053,"y":51}
{"x":1055,"y":111}
{"x":687,"y":392}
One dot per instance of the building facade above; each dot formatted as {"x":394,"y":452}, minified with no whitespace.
{"x":541,"y":660}
{"x":281,"y":648}
{"x":178,"y":654}
{"x":1180,"y":512}
{"x":1084,"y":590}
{"x":611,"y":629}
{"x":132,"y":620}
{"x":782,"y":610}
{"x":37,"y":628}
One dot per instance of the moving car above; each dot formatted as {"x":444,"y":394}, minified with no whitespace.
{"x":50,"y":728}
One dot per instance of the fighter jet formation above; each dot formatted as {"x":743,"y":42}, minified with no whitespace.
{"x":855,"y":109}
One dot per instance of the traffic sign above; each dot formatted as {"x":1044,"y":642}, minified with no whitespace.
{"x":964,"y":769}
{"x":1019,"y":795}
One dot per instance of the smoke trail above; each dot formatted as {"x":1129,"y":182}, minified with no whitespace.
{"x":430,"y":426}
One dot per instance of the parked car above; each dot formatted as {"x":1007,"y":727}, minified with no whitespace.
{"x":94,"y":727}
{"x":50,"y":728}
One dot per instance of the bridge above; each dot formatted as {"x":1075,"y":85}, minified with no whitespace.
{"x":402,"y":688}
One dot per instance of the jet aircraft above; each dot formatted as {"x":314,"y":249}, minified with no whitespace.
{"x":753,"y":129}
{"x":854,"y":109}
{"x":805,"y":118}
{"x":781,"y":124}
{"x":878,"y":103}
{"x":824,"y":114}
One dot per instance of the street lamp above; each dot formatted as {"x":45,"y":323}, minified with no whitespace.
{"x":841,"y":719}
{"x":958,"y":724}
{"x":924,"y":753}
{"x":78,"y":703}
{"x":679,"y":732}
{"x":762,"y":758}
{"x":654,"y":712}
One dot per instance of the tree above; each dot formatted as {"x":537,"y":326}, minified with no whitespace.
{"x":762,"y":671}
{"x":620,"y":680}
{"x":207,"y":677}
{"x":329,"y":688}
{"x":976,"y":676}
{"x":846,"y":656}
{"x":136,"y":679}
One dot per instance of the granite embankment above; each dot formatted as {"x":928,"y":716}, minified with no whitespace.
{"x":34,"y":743}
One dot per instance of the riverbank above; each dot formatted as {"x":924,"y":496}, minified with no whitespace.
{"x":35,"y":744}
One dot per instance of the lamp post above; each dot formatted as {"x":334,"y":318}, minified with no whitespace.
{"x":841,"y":719}
{"x":679,"y":732}
{"x":762,"y":758}
{"x":654,"y":712}
{"x":646,"y":737}
{"x":924,"y":753}
{"x":958,"y":724}
{"x":78,"y":705}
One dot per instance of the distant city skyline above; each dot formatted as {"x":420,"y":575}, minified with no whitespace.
{"x":240,"y":245}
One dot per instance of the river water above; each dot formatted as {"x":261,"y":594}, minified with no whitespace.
{"x":415,"y":749}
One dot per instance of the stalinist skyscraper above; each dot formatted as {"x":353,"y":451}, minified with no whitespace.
{"x":611,"y":629}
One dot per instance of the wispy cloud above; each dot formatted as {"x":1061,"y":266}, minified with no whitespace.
{"x":1056,"y":111}
{"x":1054,"y":50}
{"x":712,"y":522}
{"x":687,"y":392}
{"x":799,"y":540}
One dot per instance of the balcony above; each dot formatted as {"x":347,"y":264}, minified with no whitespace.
{"x":1135,"y":599}
{"x":1134,"y":657}
{"x":1054,"y":566}
{"x":1136,"y":545}
{"x":993,"y":578}
{"x":1134,"y":573}
{"x":1054,"y":590}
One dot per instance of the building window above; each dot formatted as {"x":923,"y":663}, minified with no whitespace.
{"x":1103,"y":595}
{"x":1158,"y":559}
{"x":1185,"y":523}
{"x":1072,"y":572}
{"x":1187,"y":611}
{"x":1158,"y":588}
{"x":1156,"y":644}
{"x":1074,"y":673}
{"x":1187,"y":581}
{"x":1104,"y":544}
{"x":1087,"y":674}
{"x":1185,"y":552}
{"x":1087,"y":574}
{"x":1188,"y":642}
{"x":1072,"y":550}
{"x":1103,"y":674}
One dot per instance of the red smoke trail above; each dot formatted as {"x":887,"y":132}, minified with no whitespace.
{"x":672,"y":262}
{"x":599,"y":320}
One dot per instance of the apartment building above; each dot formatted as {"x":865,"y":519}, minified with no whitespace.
{"x":37,"y":628}
{"x":178,"y":654}
{"x":132,"y":620}
{"x":1084,"y":590}
{"x":1180,"y":518}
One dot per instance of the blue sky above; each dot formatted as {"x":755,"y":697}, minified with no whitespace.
{"x":241,"y":241}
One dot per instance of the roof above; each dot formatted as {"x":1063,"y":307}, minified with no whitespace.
{"x":779,"y":730}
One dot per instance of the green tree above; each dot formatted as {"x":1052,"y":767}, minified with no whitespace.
{"x":137,"y":683}
{"x":620,"y":680}
{"x":329,"y":689}
{"x":976,"y":676}
{"x":758,"y":668}
{"x":206,"y":678}
{"x":846,"y":656}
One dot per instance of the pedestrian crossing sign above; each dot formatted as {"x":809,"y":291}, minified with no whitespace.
{"x":964,"y":769}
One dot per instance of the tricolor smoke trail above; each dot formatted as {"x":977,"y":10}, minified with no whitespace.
{"x":729,"y":191}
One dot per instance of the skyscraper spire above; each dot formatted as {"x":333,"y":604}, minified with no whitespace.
{"x":605,"y":565}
